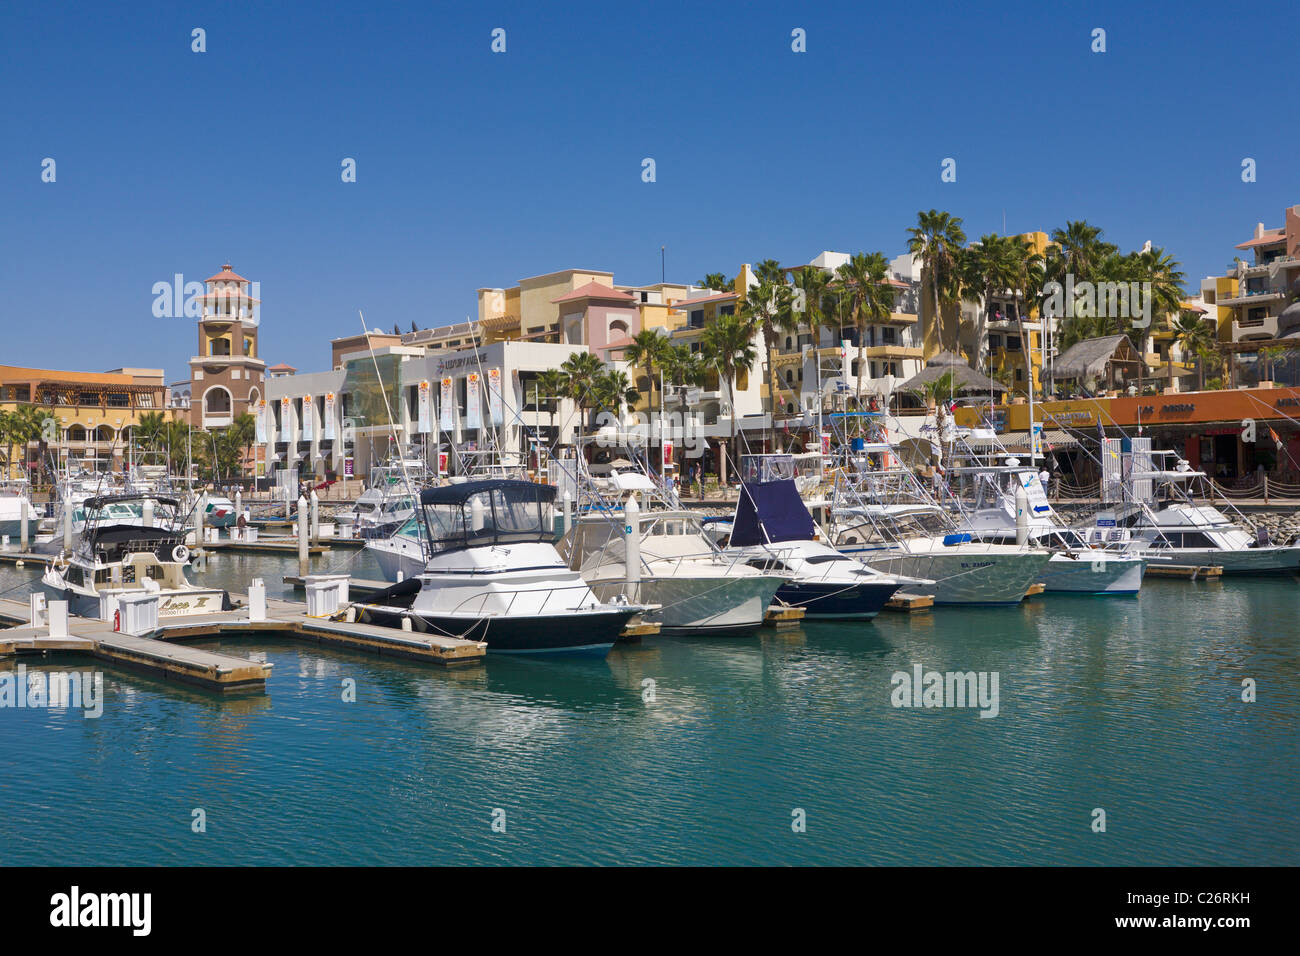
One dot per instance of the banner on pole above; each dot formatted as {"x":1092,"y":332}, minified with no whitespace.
{"x":447,"y":406}
{"x":473,"y":396}
{"x":261,"y":421}
{"x":308,"y":417}
{"x":327,"y":427}
{"x":425,"y":424}
{"x":496,"y":405}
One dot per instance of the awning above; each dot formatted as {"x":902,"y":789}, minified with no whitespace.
{"x":1053,"y":440}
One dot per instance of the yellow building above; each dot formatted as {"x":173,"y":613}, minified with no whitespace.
{"x":88,"y":416}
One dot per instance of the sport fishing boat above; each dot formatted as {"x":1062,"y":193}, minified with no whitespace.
{"x":773,"y":531}
{"x":493,"y":575}
{"x":882,"y":515}
{"x":1159,"y":518}
{"x":1010,"y":507}
{"x":401,"y":555}
{"x":390,"y":501}
{"x":138,"y":554}
{"x":699,"y":590}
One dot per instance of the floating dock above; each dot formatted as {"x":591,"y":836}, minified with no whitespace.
{"x":908,"y":603}
{"x":159,"y":653}
{"x":783,"y":618}
{"x":1184,"y":571}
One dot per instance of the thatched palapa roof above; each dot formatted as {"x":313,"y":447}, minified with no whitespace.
{"x":965,"y":378}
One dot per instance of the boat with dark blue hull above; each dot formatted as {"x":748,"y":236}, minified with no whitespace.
{"x":774,"y":531}
{"x":493,"y":575}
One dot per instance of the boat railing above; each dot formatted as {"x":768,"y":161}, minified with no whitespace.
{"x":484,"y":596}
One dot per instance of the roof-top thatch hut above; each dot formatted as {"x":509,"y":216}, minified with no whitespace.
{"x":964,"y":378}
{"x":1109,"y":358}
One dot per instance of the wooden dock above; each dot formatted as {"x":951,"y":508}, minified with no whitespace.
{"x":261,"y":546}
{"x":20,"y":558}
{"x":783,"y":618}
{"x":1211,"y":572}
{"x":908,"y":603}
{"x":210,"y":670}
{"x":161,"y":654}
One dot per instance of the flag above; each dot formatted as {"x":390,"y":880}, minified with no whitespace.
{"x":1277,"y":439}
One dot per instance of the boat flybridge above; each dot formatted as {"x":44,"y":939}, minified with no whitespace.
{"x":1008,"y":505}
{"x":1153,"y":512}
{"x":664,"y":558}
{"x":773,"y":531}
{"x":130,"y":543}
{"x":390,"y":501}
{"x":493,"y":575}
{"x":881,"y":514}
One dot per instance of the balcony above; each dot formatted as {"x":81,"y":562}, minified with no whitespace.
{"x":1253,"y":296}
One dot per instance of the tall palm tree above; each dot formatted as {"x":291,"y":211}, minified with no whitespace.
{"x":1079,"y":251}
{"x":581,"y":369}
{"x":18,"y":429}
{"x":614,"y":392}
{"x":1160,"y":269}
{"x":771,"y":271}
{"x":992,"y":265}
{"x":684,"y":369}
{"x":766,"y":307}
{"x":649,"y":350}
{"x":717,"y":281}
{"x":813,"y":282}
{"x":936,"y":240}
{"x":1195,"y":337}
{"x":150,"y":431}
{"x":869,"y":295}
{"x":550,"y":388}
{"x":728,"y":346}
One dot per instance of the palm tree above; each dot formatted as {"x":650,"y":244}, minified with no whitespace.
{"x":813,"y":282}
{"x":771,"y":271}
{"x":717,"y":281}
{"x":684,"y":369}
{"x":150,"y":431}
{"x":936,"y":240}
{"x":1195,"y":337}
{"x":580,"y":370}
{"x":1079,"y":251}
{"x":649,"y":350}
{"x":19,"y":428}
{"x":994,"y":264}
{"x":728,"y":346}
{"x":867,"y":289}
{"x":767,"y":307}
{"x":613,"y":392}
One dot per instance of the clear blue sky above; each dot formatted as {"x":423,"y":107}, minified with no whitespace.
{"x":477,"y":169}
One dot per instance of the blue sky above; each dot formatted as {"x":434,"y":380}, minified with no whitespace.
{"x":477,"y":169}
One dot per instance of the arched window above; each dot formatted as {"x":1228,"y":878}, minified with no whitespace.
{"x":216,"y":401}
{"x":617,"y":327}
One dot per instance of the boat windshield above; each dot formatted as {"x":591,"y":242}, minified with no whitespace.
{"x":506,"y":512}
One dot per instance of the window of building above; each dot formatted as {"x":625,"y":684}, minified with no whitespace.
{"x":889,"y":335}
{"x":727,"y":310}
{"x":617,"y":327}
{"x":1013,"y":343}
{"x":697,"y":319}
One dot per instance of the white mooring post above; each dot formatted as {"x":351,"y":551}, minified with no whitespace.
{"x":239,"y":504}
{"x":256,"y":600}
{"x":568,"y":512}
{"x":303,"y":565}
{"x":147,"y":512}
{"x":315,"y":518}
{"x":23,"y":536}
{"x":632,"y":547}
{"x":199,"y":511}
{"x":67,"y":526}
{"x":58,"y":618}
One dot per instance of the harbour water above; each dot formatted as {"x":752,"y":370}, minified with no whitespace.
{"x":1131,"y":705}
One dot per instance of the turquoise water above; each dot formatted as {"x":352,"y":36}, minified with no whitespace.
{"x":1132,"y":705}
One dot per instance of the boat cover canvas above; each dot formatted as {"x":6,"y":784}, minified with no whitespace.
{"x":769,"y":512}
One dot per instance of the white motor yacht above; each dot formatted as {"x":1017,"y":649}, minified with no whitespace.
{"x":493,"y":575}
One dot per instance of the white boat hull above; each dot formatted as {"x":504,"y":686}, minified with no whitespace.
{"x":966,"y":576}
{"x":1098,"y":573}
{"x":698,"y":604}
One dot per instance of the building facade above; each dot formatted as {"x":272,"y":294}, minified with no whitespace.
{"x":227,"y":375}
